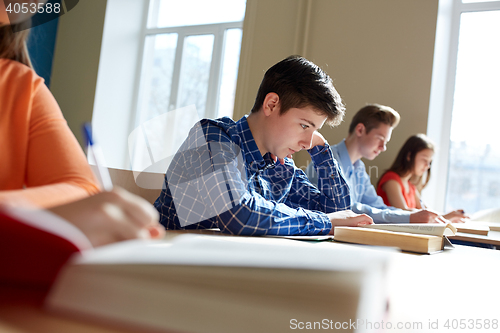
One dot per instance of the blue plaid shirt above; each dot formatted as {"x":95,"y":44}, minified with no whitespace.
{"x":219,"y":179}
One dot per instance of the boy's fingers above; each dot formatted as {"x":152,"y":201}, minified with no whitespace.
{"x":364,"y":220}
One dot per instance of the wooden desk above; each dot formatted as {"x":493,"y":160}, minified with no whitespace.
{"x":456,"y":284}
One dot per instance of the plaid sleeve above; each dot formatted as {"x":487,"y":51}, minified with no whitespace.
{"x":258,"y":216}
{"x":207,"y":187}
{"x":333,"y":194}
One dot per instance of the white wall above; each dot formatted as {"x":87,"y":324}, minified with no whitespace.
{"x":76,"y":61}
{"x":376,"y":51}
{"x":116,"y":95}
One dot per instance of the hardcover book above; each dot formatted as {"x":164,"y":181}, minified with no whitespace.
{"x":205,"y":283}
{"x":414,"y":237}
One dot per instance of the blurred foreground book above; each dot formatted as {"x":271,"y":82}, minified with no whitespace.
{"x":209,"y":283}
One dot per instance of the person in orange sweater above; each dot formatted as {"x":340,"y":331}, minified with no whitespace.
{"x":42,"y":163}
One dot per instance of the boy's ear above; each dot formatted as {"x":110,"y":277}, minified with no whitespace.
{"x":359,"y":129}
{"x":271,"y":103}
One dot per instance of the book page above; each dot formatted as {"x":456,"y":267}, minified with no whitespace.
{"x":433,"y":229}
{"x":487,"y":215}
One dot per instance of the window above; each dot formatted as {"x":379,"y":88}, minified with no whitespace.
{"x":469,"y":153}
{"x":164,"y":64}
{"x":191,"y":55}
{"x":189,"y":68}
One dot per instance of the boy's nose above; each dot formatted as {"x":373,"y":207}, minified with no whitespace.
{"x":306,"y":142}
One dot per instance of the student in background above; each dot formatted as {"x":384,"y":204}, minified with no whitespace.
{"x":369,"y":132}
{"x":39,"y":152}
{"x":400,"y":186}
{"x":226,"y":174}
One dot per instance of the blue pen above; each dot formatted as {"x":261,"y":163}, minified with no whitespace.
{"x":94,"y":151}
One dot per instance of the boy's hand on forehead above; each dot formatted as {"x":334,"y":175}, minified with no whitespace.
{"x":317,"y":140}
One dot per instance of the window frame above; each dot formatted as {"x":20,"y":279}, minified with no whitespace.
{"x":115,"y":110}
{"x":443,"y":90}
{"x":218,"y":30}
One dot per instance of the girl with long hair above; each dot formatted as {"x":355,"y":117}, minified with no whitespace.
{"x":401,"y":185}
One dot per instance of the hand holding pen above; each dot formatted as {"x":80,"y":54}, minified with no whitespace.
{"x":113,"y":215}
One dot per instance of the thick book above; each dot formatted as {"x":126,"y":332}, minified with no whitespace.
{"x":205,"y":283}
{"x":414,"y":237}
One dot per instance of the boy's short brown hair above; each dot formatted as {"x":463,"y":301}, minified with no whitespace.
{"x":373,"y":115}
{"x":299,"y":83}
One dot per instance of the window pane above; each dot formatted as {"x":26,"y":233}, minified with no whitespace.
{"x":195,"y":72}
{"x":156,"y":75}
{"x":229,"y":72}
{"x":474,"y":167}
{"x":175,"y":13}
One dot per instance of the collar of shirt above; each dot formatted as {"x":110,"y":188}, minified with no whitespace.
{"x":253,"y":158}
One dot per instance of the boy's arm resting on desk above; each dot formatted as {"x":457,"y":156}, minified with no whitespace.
{"x":257,"y":216}
{"x":207,"y":187}
{"x":250,"y":215}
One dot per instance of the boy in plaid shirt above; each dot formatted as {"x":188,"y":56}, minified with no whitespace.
{"x":239,"y":177}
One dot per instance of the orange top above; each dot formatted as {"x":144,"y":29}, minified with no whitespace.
{"x":409,"y":197}
{"x":41,"y":162}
